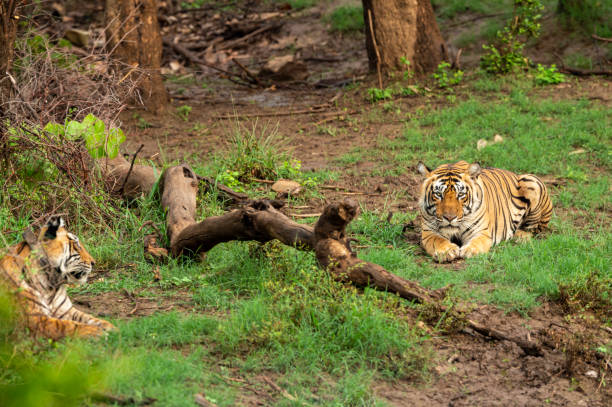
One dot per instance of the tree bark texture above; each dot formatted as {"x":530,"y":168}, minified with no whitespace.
{"x":8,"y":33}
{"x":403,"y":28}
{"x":133,"y":38}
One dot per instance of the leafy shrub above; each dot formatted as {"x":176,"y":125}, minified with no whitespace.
{"x":99,"y":141}
{"x":445,"y":78}
{"x":548,"y":76}
{"x":375,"y":94}
{"x":347,"y":19}
{"x":507,"y":54}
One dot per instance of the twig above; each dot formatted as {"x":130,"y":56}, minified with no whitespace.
{"x":130,"y":170}
{"x":597,"y":37}
{"x":249,"y":73}
{"x":260,"y":30}
{"x":275,"y":114}
{"x":263,"y":181}
{"x":234,"y":196}
{"x":585,"y":72}
{"x":306,"y":215}
{"x":194,"y":59}
{"x":528,"y":347}
{"x":200,"y":400}
{"x":380,"y":84}
{"x":279,"y":389}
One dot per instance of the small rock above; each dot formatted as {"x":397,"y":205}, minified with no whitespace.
{"x":285,"y":186}
{"x":482,"y":143}
{"x":77,"y":37}
{"x":592,"y":374}
{"x":578,"y":151}
{"x":284,"y":68}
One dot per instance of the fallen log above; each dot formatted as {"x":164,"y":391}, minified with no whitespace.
{"x":129,"y":184}
{"x":178,"y":189}
{"x":259,"y":221}
{"x":334,"y":253}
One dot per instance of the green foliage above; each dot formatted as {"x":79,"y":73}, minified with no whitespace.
{"x":99,"y":141}
{"x":347,"y":19}
{"x":445,"y":78}
{"x":375,"y":94}
{"x":29,"y":378}
{"x":507,"y":54}
{"x":254,"y":153}
{"x":588,"y":16}
{"x":548,"y":76}
{"x":183,"y":112}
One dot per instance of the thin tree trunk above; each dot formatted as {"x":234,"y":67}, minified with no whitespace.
{"x":403,"y":29}
{"x":134,"y":39}
{"x":8,"y":33}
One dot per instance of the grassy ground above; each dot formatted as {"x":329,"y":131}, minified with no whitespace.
{"x":249,"y":313}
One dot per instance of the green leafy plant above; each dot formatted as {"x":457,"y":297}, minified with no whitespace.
{"x":548,"y":76}
{"x":99,"y":141}
{"x":408,"y":73}
{"x":445,"y":77}
{"x":183,"y":112}
{"x":375,"y":94}
{"x":507,"y":54}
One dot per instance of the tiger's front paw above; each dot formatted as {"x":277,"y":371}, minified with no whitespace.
{"x":107,"y":326}
{"x":449,"y":253}
{"x":471,"y":251}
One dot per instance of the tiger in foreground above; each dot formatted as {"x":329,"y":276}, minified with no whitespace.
{"x":36,"y":271}
{"x":466,"y":209}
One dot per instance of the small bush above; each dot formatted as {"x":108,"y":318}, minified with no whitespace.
{"x":445,"y":78}
{"x":548,"y":76}
{"x":507,"y":54}
{"x":347,"y":19}
{"x":375,"y":94}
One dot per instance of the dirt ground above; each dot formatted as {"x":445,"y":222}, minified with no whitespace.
{"x":470,"y":370}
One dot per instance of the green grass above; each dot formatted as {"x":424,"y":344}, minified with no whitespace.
{"x":249,"y":310}
{"x":346,"y":19}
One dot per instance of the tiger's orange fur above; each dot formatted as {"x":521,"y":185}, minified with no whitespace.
{"x":38,"y":276}
{"x":467,"y":209}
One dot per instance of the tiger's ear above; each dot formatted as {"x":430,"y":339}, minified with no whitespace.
{"x":422,"y":169}
{"x":474,"y":170}
{"x":52,"y":226}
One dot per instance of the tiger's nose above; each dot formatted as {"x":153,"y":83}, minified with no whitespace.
{"x":450,"y":217}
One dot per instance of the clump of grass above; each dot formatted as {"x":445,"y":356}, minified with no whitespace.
{"x":253,"y":153}
{"x":347,"y":19}
{"x":590,"y":16}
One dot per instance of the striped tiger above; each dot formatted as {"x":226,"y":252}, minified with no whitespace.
{"x":466,"y":209}
{"x":37,"y":271}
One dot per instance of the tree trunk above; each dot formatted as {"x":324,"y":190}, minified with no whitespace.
{"x":134,"y":40}
{"x":8,"y":32}
{"x":403,"y":28}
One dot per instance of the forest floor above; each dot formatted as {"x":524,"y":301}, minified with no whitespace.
{"x":261,"y":325}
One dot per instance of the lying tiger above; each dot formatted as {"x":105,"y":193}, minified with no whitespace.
{"x":37,"y":271}
{"x":467,"y":209}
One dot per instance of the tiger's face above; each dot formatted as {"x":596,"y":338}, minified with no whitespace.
{"x":447,"y":194}
{"x":65,"y":254}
